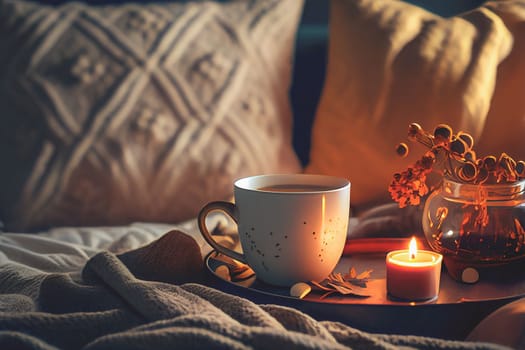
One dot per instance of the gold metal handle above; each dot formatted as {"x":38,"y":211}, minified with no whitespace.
{"x":231,"y":210}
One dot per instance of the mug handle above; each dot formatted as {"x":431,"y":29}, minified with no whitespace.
{"x":231,"y":210}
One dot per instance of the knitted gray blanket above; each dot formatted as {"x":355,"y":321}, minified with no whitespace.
{"x":106,"y":306}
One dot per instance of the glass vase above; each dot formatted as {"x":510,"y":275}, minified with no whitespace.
{"x":476,"y":225}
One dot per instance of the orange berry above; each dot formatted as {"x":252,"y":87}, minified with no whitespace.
{"x":458,"y":146}
{"x":413,"y":130}
{"x":469,"y":140}
{"x":402,"y":149}
{"x":520,"y":168}
{"x":443,"y":133}
{"x":490,"y":162}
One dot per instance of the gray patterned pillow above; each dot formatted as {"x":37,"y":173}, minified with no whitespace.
{"x":139,"y":112}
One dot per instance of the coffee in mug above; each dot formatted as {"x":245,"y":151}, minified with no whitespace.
{"x":294,"y":188}
{"x":292,"y":227}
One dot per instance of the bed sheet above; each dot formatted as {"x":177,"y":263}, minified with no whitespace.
{"x":67,"y":249}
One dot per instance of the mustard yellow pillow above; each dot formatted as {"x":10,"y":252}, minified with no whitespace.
{"x":391,"y":63}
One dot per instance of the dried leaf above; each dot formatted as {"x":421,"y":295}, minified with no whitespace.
{"x":223,"y":272}
{"x":327,"y":294}
{"x":320,"y":286}
{"x":341,"y":289}
{"x":364,"y":275}
{"x":360,"y":292}
{"x":350,"y":284}
{"x":238,"y":270}
{"x":242,"y":275}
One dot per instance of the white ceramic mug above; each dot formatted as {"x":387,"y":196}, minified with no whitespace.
{"x":292,"y":228}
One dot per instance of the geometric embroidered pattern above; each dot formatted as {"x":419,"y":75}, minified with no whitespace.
{"x":139,"y":112}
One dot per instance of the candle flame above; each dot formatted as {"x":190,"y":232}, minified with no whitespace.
{"x":412,"y":248}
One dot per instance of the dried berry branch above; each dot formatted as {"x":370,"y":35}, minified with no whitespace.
{"x":451,"y":156}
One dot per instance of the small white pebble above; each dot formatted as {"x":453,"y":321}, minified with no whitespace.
{"x":300,"y":290}
{"x":223,"y":272}
{"x":470,"y":275}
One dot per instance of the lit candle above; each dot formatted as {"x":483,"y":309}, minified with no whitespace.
{"x":413,"y":274}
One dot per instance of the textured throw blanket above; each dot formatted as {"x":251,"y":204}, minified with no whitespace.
{"x":141,"y":299}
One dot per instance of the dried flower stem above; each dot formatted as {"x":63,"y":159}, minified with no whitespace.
{"x":451,"y":156}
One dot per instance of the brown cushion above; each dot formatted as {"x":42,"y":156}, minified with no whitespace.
{"x":139,"y":112}
{"x":505,"y":326}
{"x":391,"y":63}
